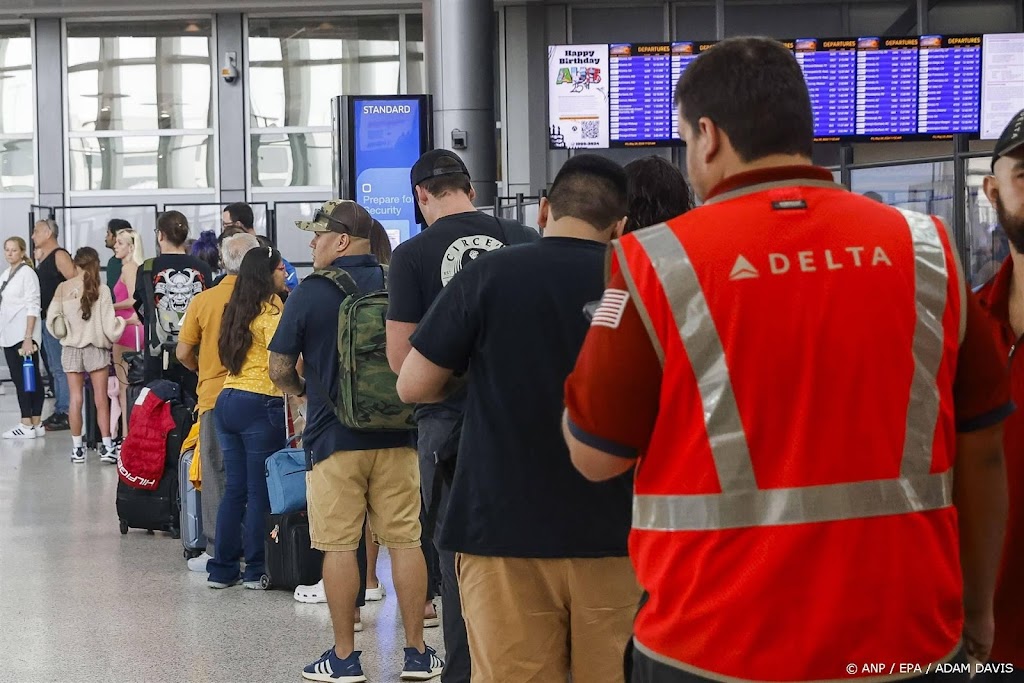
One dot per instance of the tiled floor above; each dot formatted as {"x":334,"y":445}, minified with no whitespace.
{"x":79,"y":602}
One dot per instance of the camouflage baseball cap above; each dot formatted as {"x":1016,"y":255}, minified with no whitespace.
{"x":342,"y":216}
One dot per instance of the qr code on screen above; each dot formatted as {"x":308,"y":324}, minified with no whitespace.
{"x":590,"y":130}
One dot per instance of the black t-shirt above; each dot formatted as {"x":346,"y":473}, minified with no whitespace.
{"x":309,"y":327}
{"x":516,"y":322}
{"x":422,"y":266}
{"x":50,"y":278}
{"x":177,"y":278}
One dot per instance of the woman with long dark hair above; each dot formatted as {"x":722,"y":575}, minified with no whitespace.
{"x":82,"y":317}
{"x":249,"y":417}
{"x":656,"y":190}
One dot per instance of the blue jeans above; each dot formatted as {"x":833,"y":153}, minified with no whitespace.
{"x":250,"y":427}
{"x":52,"y":348}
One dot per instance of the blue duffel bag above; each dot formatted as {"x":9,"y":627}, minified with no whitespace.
{"x":286,"y":481}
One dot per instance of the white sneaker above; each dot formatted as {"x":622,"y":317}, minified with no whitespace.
{"x":311,"y":595}
{"x":78,"y":454}
{"x":20,"y":431}
{"x":40,"y":430}
{"x":375,"y":594}
{"x":198,"y":564}
{"x":107,"y":456}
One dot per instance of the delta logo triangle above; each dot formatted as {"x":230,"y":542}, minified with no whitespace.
{"x":743,"y":270}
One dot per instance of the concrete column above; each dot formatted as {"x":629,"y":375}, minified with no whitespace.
{"x":459,"y":36}
{"x":525,"y":83}
{"x":230,"y":124}
{"x":47,"y":51}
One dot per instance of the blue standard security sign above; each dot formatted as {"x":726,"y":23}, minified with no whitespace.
{"x":387,"y":140}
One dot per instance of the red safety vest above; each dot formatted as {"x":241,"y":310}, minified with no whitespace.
{"x":793,"y":513}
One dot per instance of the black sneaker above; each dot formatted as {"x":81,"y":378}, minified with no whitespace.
{"x":57,"y":422}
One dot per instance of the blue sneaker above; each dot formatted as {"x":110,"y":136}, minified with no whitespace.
{"x":421,"y":666}
{"x":331,"y":669}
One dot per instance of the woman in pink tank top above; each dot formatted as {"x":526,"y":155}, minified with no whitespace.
{"x":128,"y":248}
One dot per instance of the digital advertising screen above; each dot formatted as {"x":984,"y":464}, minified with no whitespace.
{"x":387,"y":135}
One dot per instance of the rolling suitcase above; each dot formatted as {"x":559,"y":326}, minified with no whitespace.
{"x":160,"y":509}
{"x":290,"y":560}
{"x":193,"y":539}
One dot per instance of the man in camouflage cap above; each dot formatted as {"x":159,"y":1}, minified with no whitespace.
{"x":353,"y":472}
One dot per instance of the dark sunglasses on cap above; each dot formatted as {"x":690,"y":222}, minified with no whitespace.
{"x":321,"y":214}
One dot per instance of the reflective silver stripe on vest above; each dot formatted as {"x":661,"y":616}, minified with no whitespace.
{"x":707,"y":357}
{"x":741,"y":503}
{"x":804,"y":505}
{"x":930,"y":281}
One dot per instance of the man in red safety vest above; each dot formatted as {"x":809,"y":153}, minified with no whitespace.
{"x":1003,"y":299}
{"x":812,"y":402}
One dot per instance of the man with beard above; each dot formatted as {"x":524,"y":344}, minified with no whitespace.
{"x":1003,"y":298}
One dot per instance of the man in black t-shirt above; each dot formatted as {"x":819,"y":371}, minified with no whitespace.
{"x":175,"y":277}
{"x":546,"y":582}
{"x":457,"y":235}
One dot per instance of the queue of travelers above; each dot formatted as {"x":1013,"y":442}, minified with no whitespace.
{"x":600,"y":478}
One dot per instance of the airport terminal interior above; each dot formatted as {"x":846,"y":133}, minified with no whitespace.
{"x":127,"y":109}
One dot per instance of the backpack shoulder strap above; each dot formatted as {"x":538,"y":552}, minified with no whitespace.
{"x":341,"y":279}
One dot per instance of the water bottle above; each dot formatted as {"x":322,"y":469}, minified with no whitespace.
{"x":28,"y":374}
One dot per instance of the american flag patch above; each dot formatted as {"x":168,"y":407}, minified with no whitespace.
{"x":613,"y":305}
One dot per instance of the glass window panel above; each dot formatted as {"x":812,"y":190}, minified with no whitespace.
{"x":987,"y":245}
{"x":927,"y":188}
{"x":16,"y":96}
{"x":210,"y":217}
{"x":292,"y":242}
{"x":17,"y":171}
{"x":416,"y":80}
{"x":141,"y":162}
{"x":297,"y":65}
{"x":291,"y":160}
{"x":969,"y":16}
{"x":86,"y":226}
{"x":140,"y":77}
{"x":879,"y":18}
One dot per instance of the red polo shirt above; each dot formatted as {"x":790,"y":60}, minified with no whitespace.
{"x":1009,"y":606}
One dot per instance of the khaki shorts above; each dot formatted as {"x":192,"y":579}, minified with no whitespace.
{"x":88,"y":359}
{"x":542,"y":620}
{"x":344,"y":488}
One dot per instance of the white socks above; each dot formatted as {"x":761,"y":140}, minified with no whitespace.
{"x":76,"y":441}
{"x":108,"y":443}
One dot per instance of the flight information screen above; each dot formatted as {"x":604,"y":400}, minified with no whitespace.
{"x":869,"y":88}
{"x":887,"y":86}
{"x":640,"y":82}
{"x":830,"y":69}
{"x":949,"y":85}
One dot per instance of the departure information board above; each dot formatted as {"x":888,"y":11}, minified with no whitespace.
{"x":868,"y":88}
{"x":949,"y":84}
{"x":640,"y":83}
{"x":887,"y":86}
{"x":830,"y":69}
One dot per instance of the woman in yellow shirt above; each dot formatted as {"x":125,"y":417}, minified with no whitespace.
{"x":249,"y":417}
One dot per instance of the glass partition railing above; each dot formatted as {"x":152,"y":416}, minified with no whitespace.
{"x":987,"y":246}
{"x":209,"y":216}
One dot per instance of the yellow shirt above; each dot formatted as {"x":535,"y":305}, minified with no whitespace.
{"x":201,"y":327}
{"x":255,"y":374}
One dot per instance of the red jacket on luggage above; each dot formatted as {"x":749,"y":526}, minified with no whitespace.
{"x":144,"y":452}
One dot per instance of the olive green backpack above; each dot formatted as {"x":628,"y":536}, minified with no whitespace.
{"x":367,"y":397}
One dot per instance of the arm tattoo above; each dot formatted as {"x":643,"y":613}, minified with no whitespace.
{"x":284,"y":375}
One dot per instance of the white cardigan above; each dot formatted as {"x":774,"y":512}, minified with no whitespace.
{"x":20,"y":300}
{"x":103,"y":327}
